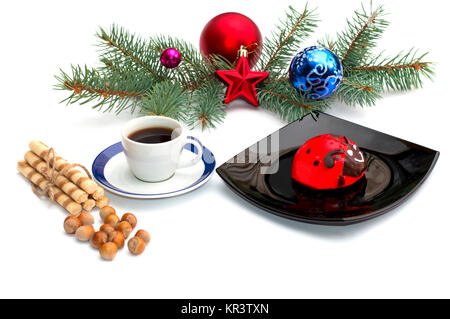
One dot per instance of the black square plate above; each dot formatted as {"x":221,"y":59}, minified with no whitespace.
{"x":396,"y":169}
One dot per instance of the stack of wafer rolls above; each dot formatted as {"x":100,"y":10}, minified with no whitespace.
{"x":72,"y":189}
{"x":39,"y":180}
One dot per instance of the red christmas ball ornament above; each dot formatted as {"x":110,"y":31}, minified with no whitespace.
{"x":226,"y":33}
{"x":327,"y":162}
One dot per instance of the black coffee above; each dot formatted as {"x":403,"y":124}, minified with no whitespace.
{"x":152,"y":135}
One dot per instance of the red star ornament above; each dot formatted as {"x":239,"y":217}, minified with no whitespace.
{"x":242,"y":82}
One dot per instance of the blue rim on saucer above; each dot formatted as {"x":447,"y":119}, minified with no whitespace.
{"x":100,"y":162}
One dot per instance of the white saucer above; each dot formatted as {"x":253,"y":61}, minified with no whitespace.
{"x":111,"y":171}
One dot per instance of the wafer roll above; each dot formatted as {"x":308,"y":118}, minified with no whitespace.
{"x":39,"y":180}
{"x":102,"y":202}
{"x":77,"y":177}
{"x":99,"y":193}
{"x":76,"y":193}
{"x":89,"y":204}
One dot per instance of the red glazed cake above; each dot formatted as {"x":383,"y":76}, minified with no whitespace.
{"x":327,"y":162}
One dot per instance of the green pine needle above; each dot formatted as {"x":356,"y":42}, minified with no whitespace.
{"x":279,"y":96}
{"x":404,"y":71}
{"x":354,"y":91}
{"x":286,"y":40}
{"x":111,"y":90}
{"x":208,"y":108}
{"x":354,"y":44}
{"x":166,"y":99}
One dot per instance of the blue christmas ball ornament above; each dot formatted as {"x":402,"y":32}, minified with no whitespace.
{"x":316,"y":72}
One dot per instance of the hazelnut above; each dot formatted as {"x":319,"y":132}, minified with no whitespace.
{"x":136,"y":245}
{"x":105,"y":211}
{"x":107,"y":228}
{"x":86,"y":218}
{"x":84,"y":233}
{"x":71,"y":224}
{"x":98,"y":239}
{"x":112,"y":220}
{"x":108,"y":251}
{"x":125,"y":228}
{"x":117,"y":238}
{"x":144,"y":235}
{"x":129,"y":217}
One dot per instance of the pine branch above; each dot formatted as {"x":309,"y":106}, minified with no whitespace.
{"x":280,"y":97}
{"x":166,"y":99}
{"x":355,"y":43}
{"x":402,"y":72}
{"x":113,"y":89}
{"x":354,"y":91}
{"x":132,"y":75}
{"x":327,"y":43}
{"x":121,"y":49}
{"x":208,"y":108}
{"x":286,"y":40}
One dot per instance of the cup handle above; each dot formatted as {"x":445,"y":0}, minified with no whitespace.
{"x":197,"y":158}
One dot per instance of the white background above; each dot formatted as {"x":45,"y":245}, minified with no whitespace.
{"x":210,"y":243}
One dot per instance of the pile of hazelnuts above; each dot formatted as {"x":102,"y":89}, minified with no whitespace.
{"x":112,"y":233}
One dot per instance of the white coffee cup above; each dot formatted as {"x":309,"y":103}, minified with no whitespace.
{"x":159,"y":161}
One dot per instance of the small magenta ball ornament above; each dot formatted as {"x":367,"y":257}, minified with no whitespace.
{"x":316,"y":72}
{"x":170,"y":58}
